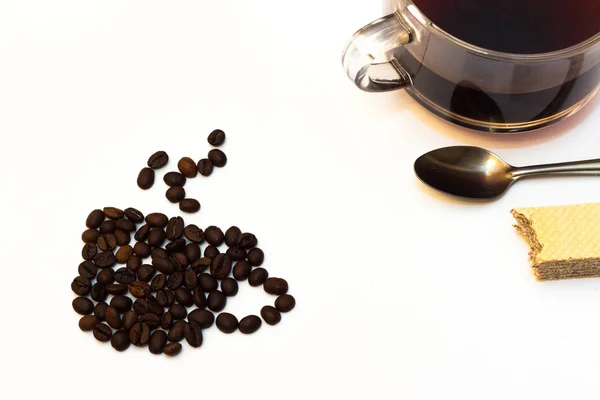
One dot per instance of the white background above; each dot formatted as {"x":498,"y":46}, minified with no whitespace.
{"x":402,"y":293}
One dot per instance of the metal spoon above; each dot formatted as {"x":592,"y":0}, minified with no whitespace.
{"x":476,"y":173}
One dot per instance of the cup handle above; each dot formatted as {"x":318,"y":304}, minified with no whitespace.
{"x":371,"y":42}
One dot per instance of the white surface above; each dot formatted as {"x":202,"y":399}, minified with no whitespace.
{"x":401,"y":292}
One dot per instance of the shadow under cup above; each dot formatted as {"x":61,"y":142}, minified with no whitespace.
{"x":468,"y":85}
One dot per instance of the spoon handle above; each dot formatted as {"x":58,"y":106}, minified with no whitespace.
{"x":586,"y":167}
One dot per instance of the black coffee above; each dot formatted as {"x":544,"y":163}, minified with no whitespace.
{"x":516,"y":26}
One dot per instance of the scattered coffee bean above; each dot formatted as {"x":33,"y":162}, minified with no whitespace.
{"x":175,"y":194}
{"x":199,"y":297}
{"x":99,"y":292}
{"x":159,"y":252}
{"x":113,"y":213}
{"x":190,"y":279}
{"x":165,"y":297}
{"x":154,"y":307}
{"x":175,"y":228}
{"x":247,"y":241}
{"x":214,"y":236}
{"x":124,"y":254}
{"x":156,"y":237}
{"x":175,"y":280}
{"x":107,"y":241}
{"x":141,"y":306}
{"x":89,"y":251}
{"x":205,"y":167}
{"x":176,"y":332}
{"x":201,"y":265}
{"x":116,"y":289}
{"x":157,"y":220}
{"x":120,"y":340}
{"x":142,"y":233}
{"x":276,"y":286}
{"x":158,"y":160}
{"x":83,"y":305}
{"x":123,"y":238}
{"x":216,"y":300}
{"x":121,"y":303}
{"x":194,"y":234}
{"x":157,"y":343}
{"x":142,"y":249}
{"x":241,"y":270}
{"x":174,"y":179}
{"x":107,"y":226}
{"x":140,"y":289}
{"x":87,"y":269}
{"x":207,"y":282}
{"x":150,"y":319}
{"x":90,"y":235}
{"x":192,"y":252}
{"x":216,"y":137}
{"x":184,"y":296}
{"x":285,"y":303}
{"x":232,"y":236}
{"x":221,"y":266}
{"x":134,"y":215}
{"x":164,"y":265}
{"x":258,"y":277}
{"x":166,"y":320}
{"x":178,"y":311}
{"x":125,"y":225}
{"x":189,"y":205}
{"x":146,"y":272}
{"x":124,"y":275}
{"x":227,"y":323}
{"x":105,"y":259}
{"x":179,"y":259}
{"x":158,"y":282}
{"x":187,"y":167}
{"x":81,"y":286}
{"x":88,"y":322}
{"x":172,"y":349}
{"x":145,"y":178}
{"x":113,"y":319}
{"x":106,"y":276}
{"x":130,"y":318}
{"x":211,"y":252}
{"x":204,"y":318}
{"x":100,"y":310}
{"x":94,"y":219}
{"x":270,"y":315}
{"x":229,"y":287}
{"x":236,"y":253}
{"x":218,"y":158}
{"x":139,"y":334}
{"x":102,"y":332}
{"x":134,"y":263}
{"x":256,"y":257}
{"x":192,"y":334}
{"x":249,"y":324}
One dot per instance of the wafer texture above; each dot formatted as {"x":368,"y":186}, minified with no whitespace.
{"x":564,"y":240}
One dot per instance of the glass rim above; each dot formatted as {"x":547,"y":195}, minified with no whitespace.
{"x":499,"y":55}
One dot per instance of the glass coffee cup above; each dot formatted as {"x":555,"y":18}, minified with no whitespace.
{"x":471,"y":85}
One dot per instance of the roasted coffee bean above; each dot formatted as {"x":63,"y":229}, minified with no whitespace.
{"x":107,"y":242}
{"x":189,"y":205}
{"x":285,"y":303}
{"x":81,"y":286}
{"x":107,"y":226}
{"x":211,"y":252}
{"x":120,"y":340}
{"x":156,"y":237}
{"x":221,"y":266}
{"x":157,"y":220}
{"x":276,"y":286}
{"x":198,"y":297}
{"x":113,"y":318}
{"x":179,"y":260}
{"x":216,"y":300}
{"x":140,"y":289}
{"x":187,"y":167}
{"x":241,"y":270}
{"x":175,"y":280}
{"x":194,"y":234}
{"x":236,"y":253}
{"x":100,"y":310}
{"x":229,"y":287}
{"x":175,"y":228}
{"x":142,"y":233}
{"x":116,"y":289}
{"x":216,"y":137}
{"x":88,"y":322}
{"x":142,"y":249}
{"x":270,"y":315}
{"x":123,"y":238}
{"x":134,"y":263}
{"x":151,"y":319}
{"x":174,"y":179}
{"x":202,"y":264}
{"x":139,"y":334}
{"x":134,"y":215}
{"x":126,"y":225}
{"x":247,"y":241}
{"x":184,"y":296}
{"x":192,"y":334}
{"x":165,"y":297}
{"x":146,"y":272}
{"x":205,"y":167}
{"x":166,"y":320}
{"x":87,"y":269}
{"x":227,"y":323}
{"x":154,"y":307}
{"x":113,"y":213}
{"x":218,"y":158}
{"x":94,"y":219}
{"x":158,"y":160}
{"x":124,"y":254}
{"x":172,"y":349}
{"x":89,"y":251}
{"x":157,"y":343}
{"x":145,"y":178}
{"x":90,"y":235}
{"x":130,"y":318}
{"x":258,"y":277}
{"x":207,"y":282}
{"x":190,"y":280}
{"x":232,"y":236}
{"x":141,"y":306}
{"x":106,"y":259}
{"x":158,"y":282}
{"x":256,"y":257}
{"x":214,"y":235}
{"x":175,"y":246}
{"x":204,"y":318}
{"x":176,"y":332}
{"x":102,"y":332}
{"x":159,"y":252}
{"x":124,"y":275}
{"x":83,"y":305}
{"x":121,"y":303}
{"x":249,"y":324}
{"x":178,"y":311}
{"x":192,"y":252}
{"x":175,"y":194}
{"x":106,"y":276}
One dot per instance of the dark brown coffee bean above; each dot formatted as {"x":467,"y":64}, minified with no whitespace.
{"x":94,"y":219}
{"x":202,"y":264}
{"x":98,"y":292}
{"x":141,"y":306}
{"x":121,"y":303}
{"x":198,"y":297}
{"x":106,"y":276}
{"x":276,"y":286}
{"x":151,"y":319}
{"x":178,"y":311}
{"x":174,"y":179}
{"x":216,"y":137}
{"x":175,"y":280}
{"x":258,"y":277}
{"x":102,"y":332}
{"x":156,"y":237}
{"x":83,"y":305}
{"x":81,"y":286}
{"x":184,"y":296}
{"x":249,"y":324}
{"x":123,"y":238}
{"x":158,"y":282}
{"x":90,"y":235}
{"x":142,"y":249}
{"x":113,"y":318}
{"x":192,"y":334}
{"x":241,"y":270}
{"x":256,"y":257}
{"x":116,"y":289}
{"x":176,"y":332}
{"x":216,"y":300}
{"x":126,"y":225}
{"x":157,"y":220}
{"x":214,"y":236}
{"x":159,"y":252}
{"x":190,"y":279}
{"x":124,"y":254}
{"x":142,"y":233}
{"x":89,"y":251}
{"x":205,"y":167}
{"x":176,"y":246}
{"x":229,"y":287}
{"x":165,"y":297}
{"x":107,"y":242}
{"x":218,"y":158}
{"x":187,"y":167}
{"x":236,"y":253}
{"x":189,"y":205}
{"x":88,"y":323}
{"x":158,"y":160}
{"x":120,"y":340}
{"x":285,"y":303}
{"x":145,"y":178}
{"x":87,"y":269}
{"x":146,"y":272}
{"x":221,"y":266}
{"x":140,"y":289}
{"x":194,"y":234}
{"x":175,"y":228}
{"x":207,"y":282}
{"x":113,"y":213}
{"x":157,"y":343}
{"x":107,"y":226}
{"x":105,"y":259}
{"x":100,"y":310}
{"x":172,"y":349}
{"x":179,"y":260}
{"x":211,"y":252}
{"x":247,"y":241}
{"x":227,"y":323}
{"x":139,"y":334}
{"x":130,"y":318}
{"x":232,"y":236}
{"x":270,"y":315}
{"x":204,"y":318}
{"x":134,"y":215}
{"x":166,"y":320}
{"x":175,"y":194}
{"x":134,"y":263}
